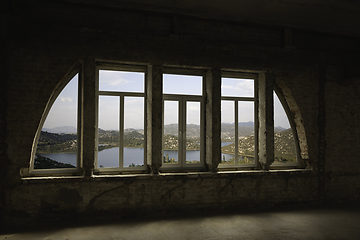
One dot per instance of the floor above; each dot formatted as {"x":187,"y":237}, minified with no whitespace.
{"x":285,"y":223}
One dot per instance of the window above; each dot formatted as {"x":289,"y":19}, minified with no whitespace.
{"x":116,"y":116}
{"x":183,"y":142}
{"x":238,"y":121}
{"x":285,"y":152}
{"x":121,"y":138}
{"x":57,"y":139}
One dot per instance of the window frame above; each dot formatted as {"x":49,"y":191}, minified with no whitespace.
{"x":76,"y":70}
{"x":127,"y":68}
{"x":290,"y":118}
{"x":236,"y":100}
{"x":182,"y":100}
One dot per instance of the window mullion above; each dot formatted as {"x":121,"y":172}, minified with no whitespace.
{"x":213,"y":119}
{"x":266,"y":126}
{"x":121,"y":132}
{"x":79,"y":159}
{"x":154,"y":117}
{"x":182,"y":142}
{"x":89,"y":117}
{"x":236,"y":106}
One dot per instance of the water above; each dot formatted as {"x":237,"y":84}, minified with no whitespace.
{"x":62,"y":157}
{"x":226,"y":143}
{"x":110,"y":157}
{"x":106,"y":158}
{"x":227,"y":156}
{"x":193,"y":155}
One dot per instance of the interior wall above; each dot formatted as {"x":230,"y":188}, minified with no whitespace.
{"x":316,"y":69}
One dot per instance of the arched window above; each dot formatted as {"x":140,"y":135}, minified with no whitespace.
{"x":56,"y":145}
{"x":285,"y":144}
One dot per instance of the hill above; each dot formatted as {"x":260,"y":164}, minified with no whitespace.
{"x":284,"y":147}
{"x":55,"y":142}
{"x":172,"y":143}
{"x":62,"y":129}
{"x":47,"y":163}
{"x":283,"y":140}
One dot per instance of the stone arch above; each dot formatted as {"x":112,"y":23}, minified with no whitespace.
{"x":296,"y":122}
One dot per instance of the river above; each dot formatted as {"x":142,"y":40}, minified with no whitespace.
{"x":110,"y":157}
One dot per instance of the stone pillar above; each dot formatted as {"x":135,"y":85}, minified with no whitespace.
{"x":154,"y":117}
{"x":88,"y":116}
{"x":213,"y":119}
{"x":266,"y":121}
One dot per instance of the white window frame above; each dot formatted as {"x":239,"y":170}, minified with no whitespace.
{"x":121,"y":95}
{"x":236,"y":100}
{"x":60,"y":171}
{"x":288,"y":113}
{"x":182,"y":99}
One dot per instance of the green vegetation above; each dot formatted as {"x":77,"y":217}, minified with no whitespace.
{"x":283,"y":146}
{"x":134,"y":139}
{"x":55,"y":142}
{"x":283,"y":142}
{"x":172,"y":143}
{"x":67,"y":143}
{"x":171,"y":160}
{"x":110,"y":139}
{"x":135,"y":165}
{"x":228,"y":132}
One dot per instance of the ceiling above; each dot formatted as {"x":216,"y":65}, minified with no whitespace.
{"x":336,"y":16}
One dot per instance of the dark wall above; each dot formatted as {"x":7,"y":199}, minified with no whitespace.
{"x":317,"y":74}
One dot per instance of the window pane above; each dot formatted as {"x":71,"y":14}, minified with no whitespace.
{"x":284,"y":144}
{"x":121,"y":81}
{"x":108,"y":154}
{"x":246,"y":144}
{"x":236,"y":87}
{"x":193,"y":132}
{"x":227,"y":132}
{"x":182,"y":84}
{"x":57,"y":144}
{"x":109,"y":113}
{"x":134,"y":132}
{"x":171,"y":132}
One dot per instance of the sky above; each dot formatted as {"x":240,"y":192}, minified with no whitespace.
{"x":64,"y":109}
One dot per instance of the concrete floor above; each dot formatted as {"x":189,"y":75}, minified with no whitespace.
{"x":296,"y":223}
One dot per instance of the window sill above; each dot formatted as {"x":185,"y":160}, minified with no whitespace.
{"x":38,"y":179}
{"x":164,"y":176}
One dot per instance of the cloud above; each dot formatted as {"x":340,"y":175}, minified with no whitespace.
{"x":227,"y":86}
{"x":242,"y":87}
{"x":113,"y":78}
{"x":66,"y":99}
{"x":245,"y":86}
{"x":117,"y":82}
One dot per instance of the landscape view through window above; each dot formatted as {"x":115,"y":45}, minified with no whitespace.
{"x":121,"y":124}
{"x":238,"y":140}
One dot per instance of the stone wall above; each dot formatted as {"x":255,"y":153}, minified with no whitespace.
{"x":316,"y":74}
